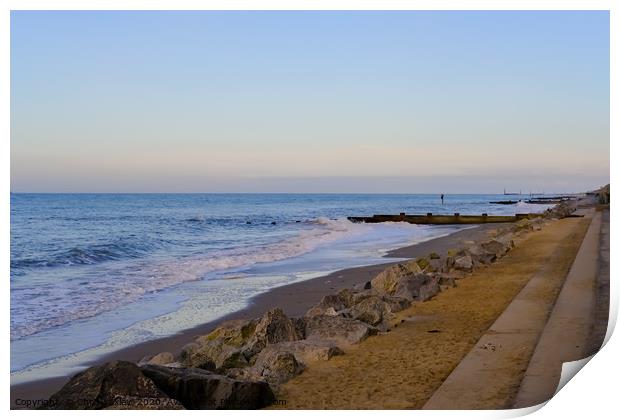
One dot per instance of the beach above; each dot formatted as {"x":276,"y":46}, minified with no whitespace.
{"x":295,"y":299}
{"x":424,"y":347}
{"x":402,"y":369}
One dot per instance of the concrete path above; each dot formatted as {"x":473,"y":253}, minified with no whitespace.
{"x":601,"y":306}
{"x":493,"y":369}
{"x":566,"y":335}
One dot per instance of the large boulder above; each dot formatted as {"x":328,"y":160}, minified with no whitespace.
{"x":372,"y":311}
{"x":332,"y":304}
{"x":436,"y":265}
{"x":522,"y":225}
{"x":191,"y":356}
{"x":415,"y":286}
{"x":396,"y":303}
{"x":447,"y":280}
{"x":428,"y":289}
{"x":234,"y":343}
{"x":449,"y":263}
{"x":464,"y":263}
{"x":222,"y":348}
{"x":495,"y":247}
{"x":162,"y":359}
{"x":478,"y":254}
{"x":200,"y":389}
{"x":422,"y":262}
{"x":276,"y":365}
{"x":234,"y":333}
{"x":116,"y":384}
{"x":216,"y":354}
{"x":307,"y":351}
{"x":386,"y":282}
{"x":338,"y":330}
{"x":274,"y":327}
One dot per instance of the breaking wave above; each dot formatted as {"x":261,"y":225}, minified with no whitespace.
{"x":94,"y":294}
{"x":91,"y":254}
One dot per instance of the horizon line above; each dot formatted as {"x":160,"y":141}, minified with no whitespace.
{"x":300,"y":193}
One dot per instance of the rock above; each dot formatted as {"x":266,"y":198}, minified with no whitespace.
{"x":161,"y":359}
{"x":435,"y":265}
{"x":400,"y":281}
{"x":446,"y":280}
{"x":480,"y":255}
{"x":328,"y":312}
{"x":386,"y":281}
{"x":348,"y":296}
{"x":367,"y":285}
{"x":234,"y":343}
{"x":200,"y":389}
{"x":276,"y":365}
{"x":397,"y":303}
{"x":115,"y":384}
{"x":216,"y":354}
{"x":360,"y":296}
{"x":507,"y":240}
{"x":307,"y":351}
{"x":498,"y":248}
{"x":234,"y":333}
{"x":464,"y":263}
{"x":416,"y":287}
{"x":187,"y":352}
{"x":192,"y":357}
{"x":221,"y":349}
{"x":428,"y":289}
{"x":449,"y":263}
{"x":372,"y":311}
{"x":338,"y":330}
{"x":411,"y":266}
{"x":422,"y":263}
{"x":522,"y":225}
{"x":273,"y":327}
{"x":332,"y":304}
{"x":434,"y":256}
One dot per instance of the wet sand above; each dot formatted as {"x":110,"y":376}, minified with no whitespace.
{"x":294,"y":299}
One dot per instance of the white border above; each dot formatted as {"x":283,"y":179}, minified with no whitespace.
{"x":592,"y":394}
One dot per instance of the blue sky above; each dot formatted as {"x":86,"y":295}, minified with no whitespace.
{"x":309,"y":101}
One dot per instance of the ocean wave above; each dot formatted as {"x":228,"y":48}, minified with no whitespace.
{"x":41,"y":309}
{"x":523,"y":207}
{"x":123,"y":248}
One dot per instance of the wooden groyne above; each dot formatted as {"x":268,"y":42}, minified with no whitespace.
{"x":532,"y":201}
{"x":504,"y":202}
{"x":442,"y":219}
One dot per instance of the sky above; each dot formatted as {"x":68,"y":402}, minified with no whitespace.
{"x":322,"y":101}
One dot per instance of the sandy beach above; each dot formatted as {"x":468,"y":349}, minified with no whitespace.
{"x":295,"y":299}
{"x":403,"y":368}
{"x":428,"y":345}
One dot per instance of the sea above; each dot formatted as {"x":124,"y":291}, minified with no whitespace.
{"x":94,"y":273}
